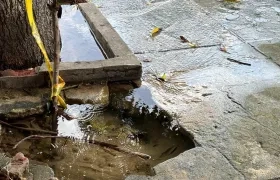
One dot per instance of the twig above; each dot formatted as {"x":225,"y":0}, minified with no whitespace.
{"x":27,"y":129}
{"x":238,"y":62}
{"x":115,"y":147}
{"x":99,"y":143}
{"x":70,"y":87}
{"x":35,"y":136}
{"x":177,"y":49}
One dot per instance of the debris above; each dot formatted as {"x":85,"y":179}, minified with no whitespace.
{"x":17,"y":167}
{"x":70,"y":87}
{"x":147,"y":60}
{"x":184,"y":40}
{"x":206,"y":94}
{"x":162,"y":77}
{"x":223,"y":49}
{"x":193,"y":45}
{"x":238,"y":62}
{"x":156,"y":31}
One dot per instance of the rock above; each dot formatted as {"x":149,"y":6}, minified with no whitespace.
{"x":17,"y":167}
{"x":198,"y":163}
{"x":20,"y":107}
{"x":41,"y":172}
{"x":88,"y":94}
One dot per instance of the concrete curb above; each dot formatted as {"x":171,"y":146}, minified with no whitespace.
{"x":121,"y":64}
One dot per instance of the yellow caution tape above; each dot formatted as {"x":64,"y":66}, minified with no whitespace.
{"x":56,"y":88}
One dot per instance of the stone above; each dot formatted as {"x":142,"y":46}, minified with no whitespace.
{"x":88,"y":94}
{"x":22,"y":106}
{"x":42,"y":172}
{"x":17,"y":167}
{"x":195,"y":164}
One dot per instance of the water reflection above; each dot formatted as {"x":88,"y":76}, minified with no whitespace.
{"x":77,"y":42}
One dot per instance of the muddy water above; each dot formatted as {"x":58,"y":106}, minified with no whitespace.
{"x":132,"y":121}
{"x":78,"y":43}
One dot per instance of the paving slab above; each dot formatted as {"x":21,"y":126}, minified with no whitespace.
{"x":269,"y":48}
{"x":176,"y":18}
{"x":207,"y":162}
{"x":216,"y":96}
{"x":255,"y":20}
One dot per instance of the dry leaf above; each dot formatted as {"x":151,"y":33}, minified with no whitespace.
{"x":223,"y":48}
{"x":192,"y":45}
{"x":184,"y":40}
{"x":162,"y":77}
{"x":156,"y":31}
{"x":147,"y":60}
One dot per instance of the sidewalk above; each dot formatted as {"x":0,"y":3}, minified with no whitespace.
{"x":228,"y":102}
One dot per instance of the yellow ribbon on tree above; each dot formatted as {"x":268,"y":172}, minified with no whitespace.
{"x":56,"y":88}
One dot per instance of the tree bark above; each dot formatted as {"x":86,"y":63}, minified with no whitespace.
{"x":18,"y":49}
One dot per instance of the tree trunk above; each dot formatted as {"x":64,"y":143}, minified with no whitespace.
{"x":18,"y":49}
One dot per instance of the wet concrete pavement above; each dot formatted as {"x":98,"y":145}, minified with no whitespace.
{"x":230,"y":109}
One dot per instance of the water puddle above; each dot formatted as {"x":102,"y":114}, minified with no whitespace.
{"x":132,"y":121}
{"x":78,"y":44}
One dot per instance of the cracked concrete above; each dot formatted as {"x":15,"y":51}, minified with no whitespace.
{"x":235,"y":127}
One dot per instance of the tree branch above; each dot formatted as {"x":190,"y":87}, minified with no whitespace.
{"x":99,"y":143}
{"x":28,"y":129}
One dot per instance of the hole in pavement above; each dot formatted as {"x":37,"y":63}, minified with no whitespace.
{"x":132,"y":121}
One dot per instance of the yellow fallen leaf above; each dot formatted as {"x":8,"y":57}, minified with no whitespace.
{"x":192,"y":45}
{"x":163,"y":77}
{"x":156,"y":31}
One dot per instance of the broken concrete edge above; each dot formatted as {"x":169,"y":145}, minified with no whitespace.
{"x":105,"y":34}
{"x":126,"y":68}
